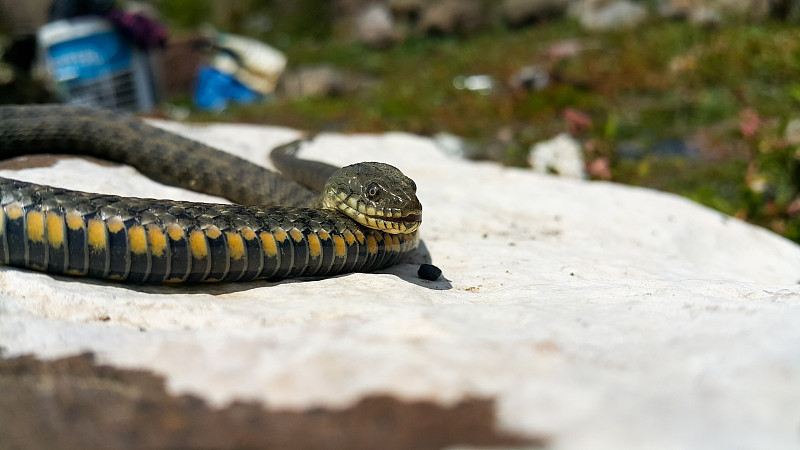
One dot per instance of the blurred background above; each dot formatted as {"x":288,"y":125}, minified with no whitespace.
{"x":695,"y":97}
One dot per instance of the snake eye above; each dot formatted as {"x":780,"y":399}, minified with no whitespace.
{"x":373,"y":190}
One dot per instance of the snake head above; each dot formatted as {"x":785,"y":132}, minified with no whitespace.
{"x":375,"y":195}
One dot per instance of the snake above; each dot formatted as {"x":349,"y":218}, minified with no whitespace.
{"x":311,"y":220}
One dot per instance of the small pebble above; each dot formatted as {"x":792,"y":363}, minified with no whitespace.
{"x":429,"y":272}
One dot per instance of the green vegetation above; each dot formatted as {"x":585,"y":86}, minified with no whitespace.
{"x":186,"y":13}
{"x":726,"y":93}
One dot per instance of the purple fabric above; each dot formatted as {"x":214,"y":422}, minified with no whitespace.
{"x":145,"y":32}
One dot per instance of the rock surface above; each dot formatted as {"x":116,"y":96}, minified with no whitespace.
{"x":603,"y":15}
{"x":561,"y":155}
{"x":700,"y":11}
{"x":593,"y":315}
{"x":523,"y":12}
{"x":448,"y":17}
{"x":320,"y":80}
{"x":374,"y":27}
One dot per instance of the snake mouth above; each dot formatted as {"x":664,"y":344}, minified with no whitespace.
{"x":400,"y":225}
{"x":390,"y":220}
{"x":394,"y":225}
{"x":408,"y":218}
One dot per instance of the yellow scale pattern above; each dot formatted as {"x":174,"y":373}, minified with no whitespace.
{"x":75,"y":221}
{"x":372,"y":245}
{"x":175,"y":232}
{"x":51,"y":227}
{"x":137,"y":239}
{"x":296,"y":234}
{"x":248,"y":233}
{"x":35,"y":226}
{"x":198,"y":244}
{"x":14,"y":211}
{"x":314,"y":246}
{"x":157,"y":240}
{"x":339,"y":248}
{"x":97,"y":237}
{"x":55,"y":229}
{"x":235,"y":245}
{"x":268,"y":244}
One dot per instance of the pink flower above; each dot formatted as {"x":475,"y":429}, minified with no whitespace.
{"x":600,"y":168}
{"x":577,"y":120}
{"x":749,"y":122}
{"x":794,"y":208}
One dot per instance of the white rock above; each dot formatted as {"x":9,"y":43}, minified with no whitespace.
{"x":375,"y":26}
{"x":706,"y":17}
{"x":561,"y":155}
{"x":448,"y":17}
{"x":599,"y":315}
{"x":792,"y":133}
{"x":609,"y":16}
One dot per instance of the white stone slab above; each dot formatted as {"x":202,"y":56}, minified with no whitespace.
{"x":599,"y":315}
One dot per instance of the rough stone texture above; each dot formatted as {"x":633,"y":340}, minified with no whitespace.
{"x":375,"y":27}
{"x":447,"y":17}
{"x":523,"y":12}
{"x":604,"y":15}
{"x":591,"y":315}
{"x":407,"y":10}
{"x":792,"y":133}
{"x":751,"y":10}
{"x":321,"y":80}
{"x":700,"y":11}
{"x":676,"y":9}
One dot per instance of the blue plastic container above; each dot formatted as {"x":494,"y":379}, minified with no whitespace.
{"x":215,"y":89}
{"x":91,"y":64}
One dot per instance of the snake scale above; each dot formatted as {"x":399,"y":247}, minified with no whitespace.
{"x":330,"y":221}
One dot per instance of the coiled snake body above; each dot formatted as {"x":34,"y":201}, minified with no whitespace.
{"x":365,"y":217}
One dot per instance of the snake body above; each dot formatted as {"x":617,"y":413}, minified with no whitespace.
{"x":364,"y":218}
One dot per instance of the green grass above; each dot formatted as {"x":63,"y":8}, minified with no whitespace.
{"x":624,"y":74}
{"x":666,"y":80}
